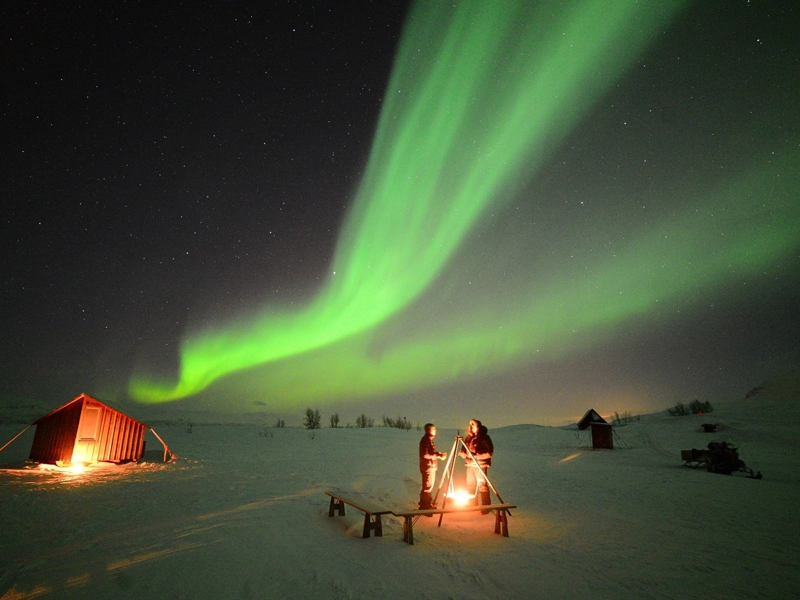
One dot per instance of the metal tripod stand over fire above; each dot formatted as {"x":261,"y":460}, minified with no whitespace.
{"x":448,"y":475}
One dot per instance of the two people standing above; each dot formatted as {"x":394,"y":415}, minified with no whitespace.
{"x":481,"y":449}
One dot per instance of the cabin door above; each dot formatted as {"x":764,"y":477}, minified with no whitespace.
{"x":86,"y":443}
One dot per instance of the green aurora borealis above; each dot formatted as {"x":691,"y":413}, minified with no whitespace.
{"x":480,"y":98}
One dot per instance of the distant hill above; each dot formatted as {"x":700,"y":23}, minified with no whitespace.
{"x":783,"y":387}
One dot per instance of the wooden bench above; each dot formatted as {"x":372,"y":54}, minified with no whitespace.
{"x":695,"y":458}
{"x":500,"y":517}
{"x":372,"y":513}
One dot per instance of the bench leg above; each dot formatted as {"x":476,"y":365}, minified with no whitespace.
{"x":408,"y":532}
{"x":501,"y":522}
{"x":336,"y":504}
{"x":370,"y":524}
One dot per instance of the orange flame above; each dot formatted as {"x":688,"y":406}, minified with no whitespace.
{"x":460,"y":497}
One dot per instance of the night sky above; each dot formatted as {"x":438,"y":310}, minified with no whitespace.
{"x":170,"y":171}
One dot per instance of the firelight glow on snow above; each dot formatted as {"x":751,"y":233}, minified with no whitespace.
{"x":480,"y":96}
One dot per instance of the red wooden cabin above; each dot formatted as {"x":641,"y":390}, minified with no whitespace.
{"x":85,"y":430}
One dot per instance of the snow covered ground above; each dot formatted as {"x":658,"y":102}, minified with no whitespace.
{"x":242,"y":514}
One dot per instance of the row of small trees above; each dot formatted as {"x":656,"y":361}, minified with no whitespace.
{"x":695,"y":407}
{"x":312,"y":419}
{"x":625,"y":418}
{"x":399,"y":423}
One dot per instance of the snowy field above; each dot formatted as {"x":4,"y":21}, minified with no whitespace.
{"x":243,"y":514}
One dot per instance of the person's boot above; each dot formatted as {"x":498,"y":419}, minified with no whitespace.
{"x":425,"y":502}
{"x":486,"y":499}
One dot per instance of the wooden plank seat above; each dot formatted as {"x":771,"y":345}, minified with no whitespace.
{"x":372,"y":512}
{"x":500,"y":517}
{"x":695,"y":458}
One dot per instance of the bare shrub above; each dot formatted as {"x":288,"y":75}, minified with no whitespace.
{"x":363,"y":421}
{"x":695,"y":407}
{"x":312,"y":420}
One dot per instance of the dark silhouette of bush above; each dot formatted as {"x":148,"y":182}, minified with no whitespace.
{"x":698,"y":408}
{"x":695,"y":407}
{"x":312,"y":419}
{"x":399,"y":423}
{"x":363,"y":421}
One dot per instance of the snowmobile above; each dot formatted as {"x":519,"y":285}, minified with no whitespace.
{"x":720,"y":457}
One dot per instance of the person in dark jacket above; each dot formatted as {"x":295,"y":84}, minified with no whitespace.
{"x":469,"y":442}
{"x":481,"y":447}
{"x":427,"y":465}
